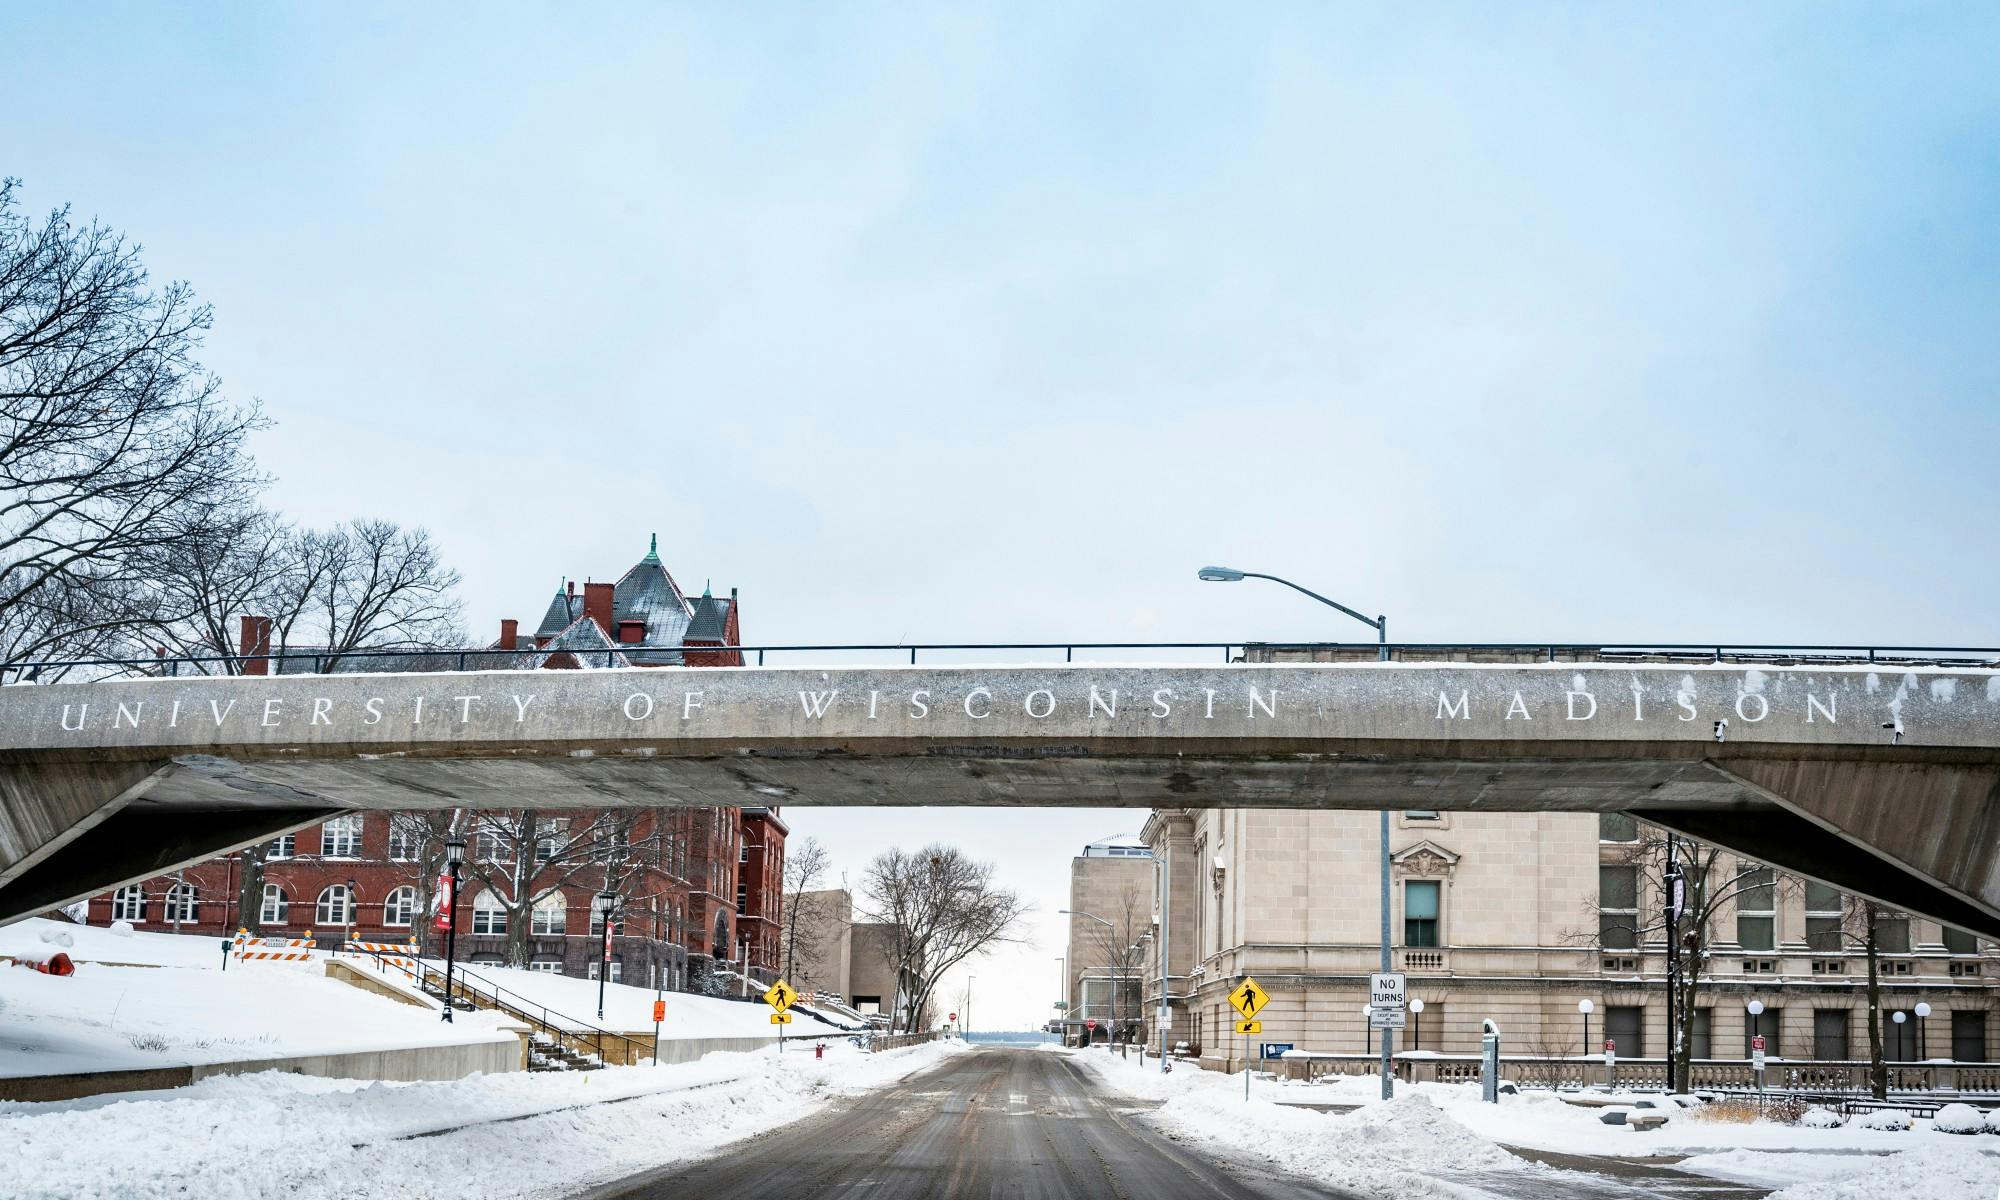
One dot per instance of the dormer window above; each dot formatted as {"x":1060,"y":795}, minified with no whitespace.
{"x":631,"y":632}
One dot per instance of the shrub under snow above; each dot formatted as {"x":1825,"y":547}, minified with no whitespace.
{"x":1820,"y":1118}
{"x":1958,"y":1118}
{"x":120,"y":929}
{"x":1886,"y":1119}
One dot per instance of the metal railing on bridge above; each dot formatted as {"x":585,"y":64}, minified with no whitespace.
{"x":487,"y":658}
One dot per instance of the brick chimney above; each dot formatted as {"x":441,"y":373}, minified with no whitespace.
{"x":255,"y":639}
{"x":510,"y":631}
{"x":597,"y":605}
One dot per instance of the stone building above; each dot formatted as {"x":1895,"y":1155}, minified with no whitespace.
{"x":1518,"y":917}
{"x":852,"y":961}
{"x":1111,"y":920}
{"x":698,"y":886}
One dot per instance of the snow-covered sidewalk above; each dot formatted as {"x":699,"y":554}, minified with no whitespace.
{"x":322,"y":1139}
{"x":1430,"y":1130}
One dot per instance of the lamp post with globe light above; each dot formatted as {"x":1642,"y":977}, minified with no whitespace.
{"x":454,"y":859}
{"x":1381,"y":626}
{"x":1417,"y":1034}
{"x":1923,"y":1010}
{"x":1585,"y":1007}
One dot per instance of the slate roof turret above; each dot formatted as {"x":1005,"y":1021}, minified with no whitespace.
{"x":562,"y":611}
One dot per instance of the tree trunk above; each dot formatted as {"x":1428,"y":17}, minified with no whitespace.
{"x":1878,"y":1069}
{"x":250,"y":889}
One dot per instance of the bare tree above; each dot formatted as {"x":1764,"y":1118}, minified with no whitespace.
{"x":1712,"y":882}
{"x":941,"y":908}
{"x":113,"y":439}
{"x":365,"y":585}
{"x":1121,"y":950}
{"x":523,"y":857}
{"x":807,"y":907}
{"x":236,"y":561}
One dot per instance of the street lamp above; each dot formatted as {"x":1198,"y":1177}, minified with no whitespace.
{"x":1062,"y":1005}
{"x":1381,"y":627}
{"x":353,"y":909}
{"x":1923,"y":1010}
{"x":1584,"y":1007}
{"x":606,"y":902}
{"x":454,"y":858}
{"x":1112,"y":1034}
{"x":1417,"y":1034}
{"x":1368,"y":1029}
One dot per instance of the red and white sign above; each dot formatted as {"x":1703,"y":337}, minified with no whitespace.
{"x":1757,"y":1043}
{"x":1090,"y":1024}
{"x":441,"y":901}
{"x":953,"y":1016}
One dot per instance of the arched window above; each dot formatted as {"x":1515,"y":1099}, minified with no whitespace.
{"x":129,"y":904}
{"x":489,"y":916}
{"x":719,"y":948}
{"x":335,"y":905}
{"x":277,"y":907}
{"x":400,"y":908}
{"x":551,"y":912}
{"x":180,"y":903}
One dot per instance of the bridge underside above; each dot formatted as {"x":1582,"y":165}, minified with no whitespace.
{"x":1915,"y":830}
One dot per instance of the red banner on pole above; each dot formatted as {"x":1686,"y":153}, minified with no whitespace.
{"x":441,"y":901}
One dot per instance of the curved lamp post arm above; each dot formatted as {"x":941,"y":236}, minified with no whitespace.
{"x":1380,"y":624}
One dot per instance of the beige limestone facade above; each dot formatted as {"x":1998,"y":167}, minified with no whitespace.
{"x":1515,"y":917}
{"x":1112,"y":916}
{"x":850,"y":960}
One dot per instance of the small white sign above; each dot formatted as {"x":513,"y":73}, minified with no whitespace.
{"x":1388,"y":989}
{"x":1166,"y":1018}
{"x":1757,"y":1061}
{"x":1388,"y":1018}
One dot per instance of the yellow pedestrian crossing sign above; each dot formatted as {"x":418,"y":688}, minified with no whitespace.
{"x":781,"y":1018}
{"x":1249,"y":1027}
{"x":780,"y":996}
{"x":1249,"y":999}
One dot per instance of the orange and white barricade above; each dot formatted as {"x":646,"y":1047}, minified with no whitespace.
{"x":250,"y":949}
{"x":395,"y":954}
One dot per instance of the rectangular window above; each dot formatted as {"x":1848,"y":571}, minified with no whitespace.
{"x":1766,"y":1025}
{"x":1830,"y":1033}
{"x":1957,"y":941}
{"x":283,"y":847}
{"x":1700,"y":1040}
{"x":551,"y":965}
{"x":491,"y":844}
{"x":617,"y":969}
{"x":1618,"y":907}
{"x":1756,"y":910}
{"x":1825,"y":919}
{"x":1892,"y":935}
{"x":1968,"y":1036}
{"x":1617,"y":827}
{"x":1626,"y":1025}
{"x":403,"y":842}
{"x":1420,"y":912}
{"x":341,"y":837}
{"x":1421,"y":814}
{"x":277,"y":907}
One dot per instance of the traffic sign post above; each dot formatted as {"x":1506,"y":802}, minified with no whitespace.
{"x":1388,"y":1006}
{"x":1610,"y":1060}
{"x":1248,"y":1000}
{"x":780,"y":996}
{"x":1757,"y":1064}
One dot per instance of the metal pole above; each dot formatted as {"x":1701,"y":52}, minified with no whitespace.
{"x":1673,"y":970}
{"x":603,"y":964}
{"x":450,"y":939}
{"x":1388,"y":1035}
{"x":1166,"y":917}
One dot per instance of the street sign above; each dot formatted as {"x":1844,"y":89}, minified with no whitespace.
{"x":1166,"y":1018}
{"x":1388,"y":989}
{"x":1274,"y":1049}
{"x":780,"y":996}
{"x":1388,"y":1018}
{"x":953,"y":1017}
{"x":781,"y":1018}
{"x":1248,"y":999}
{"x":1610,"y":1052}
{"x":1248,"y":1027}
{"x":1757,"y":1053}
{"x":1090,"y":1024}
{"x":659,"y":1011}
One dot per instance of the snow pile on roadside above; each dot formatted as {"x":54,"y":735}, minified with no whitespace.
{"x":319,"y":1139}
{"x":107,"y":1018}
{"x":629,"y":1009}
{"x":1394,"y":1148}
{"x":91,"y":943}
{"x":1933,"y":1172}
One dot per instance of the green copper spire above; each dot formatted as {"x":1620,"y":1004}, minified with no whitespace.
{"x":653,"y":550}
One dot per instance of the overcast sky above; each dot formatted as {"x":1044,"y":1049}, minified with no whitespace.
{"x":977,"y":324}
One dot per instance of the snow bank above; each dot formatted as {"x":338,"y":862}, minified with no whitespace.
{"x":106,"y":1018}
{"x":1933,"y":1172}
{"x":91,"y":943}
{"x":628,"y":1008}
{"x":270,"y":1135}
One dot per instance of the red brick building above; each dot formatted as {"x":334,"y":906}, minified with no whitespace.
{"x":699,"y":887}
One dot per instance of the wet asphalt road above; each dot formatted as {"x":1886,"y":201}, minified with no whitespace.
{"x":1031,"y":1126}
{"x":995,"y":1123}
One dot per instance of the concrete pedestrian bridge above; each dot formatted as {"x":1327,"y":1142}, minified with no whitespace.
{"x":1881,"y":780}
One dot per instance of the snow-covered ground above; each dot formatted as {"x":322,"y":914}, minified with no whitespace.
{"x":325,"y":1139}
{"x":107,"y":1018}
{"x":1393,"y":1149}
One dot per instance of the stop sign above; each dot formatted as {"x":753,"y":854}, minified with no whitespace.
{"x":1090,"y":1024}
{"x":954,"y":1016}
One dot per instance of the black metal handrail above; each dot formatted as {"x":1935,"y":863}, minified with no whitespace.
{"x":471,"y":659}
{"x":543,"y":1018}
